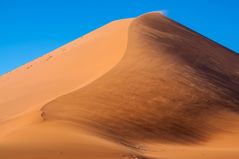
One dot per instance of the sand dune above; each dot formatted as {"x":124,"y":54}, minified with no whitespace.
{"x":62,"y":70}
{"x":137,"y":88}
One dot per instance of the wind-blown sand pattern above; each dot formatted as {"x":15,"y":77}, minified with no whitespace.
{"x":146,"y":88}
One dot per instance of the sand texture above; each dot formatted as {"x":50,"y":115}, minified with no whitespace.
{"x":142,"y":88}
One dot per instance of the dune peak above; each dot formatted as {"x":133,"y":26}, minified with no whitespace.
{"x":145,"y":87}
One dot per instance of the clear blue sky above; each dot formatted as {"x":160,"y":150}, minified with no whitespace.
{"x":31,"y":28}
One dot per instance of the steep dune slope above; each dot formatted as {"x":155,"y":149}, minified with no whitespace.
{"x":24,"y":91}
{"x":172,"y":85}
{"x":63,"y":70}
{"x":159,"y":91}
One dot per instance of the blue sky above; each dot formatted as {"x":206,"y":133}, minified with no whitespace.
{"x":29,"y":29}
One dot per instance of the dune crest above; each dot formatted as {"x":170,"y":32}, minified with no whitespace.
{"x":62,"y":70}
{"x":137,"y":99}
{"x":147,"y":84}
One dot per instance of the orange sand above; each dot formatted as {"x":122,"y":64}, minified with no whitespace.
{"x":142,"y":88}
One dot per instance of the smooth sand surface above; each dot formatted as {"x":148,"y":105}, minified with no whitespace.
{"x":143,"y":88}
{"x":57,"y":140}
{"x":25,"y":90}
{"x":63,"y":70}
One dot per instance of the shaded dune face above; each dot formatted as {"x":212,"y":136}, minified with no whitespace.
{"x":173,"y":85}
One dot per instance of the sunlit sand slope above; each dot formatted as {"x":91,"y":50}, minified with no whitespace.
{"x":146,"y":88}
{"x":23,"y":92}
{"x":63,"y":70}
